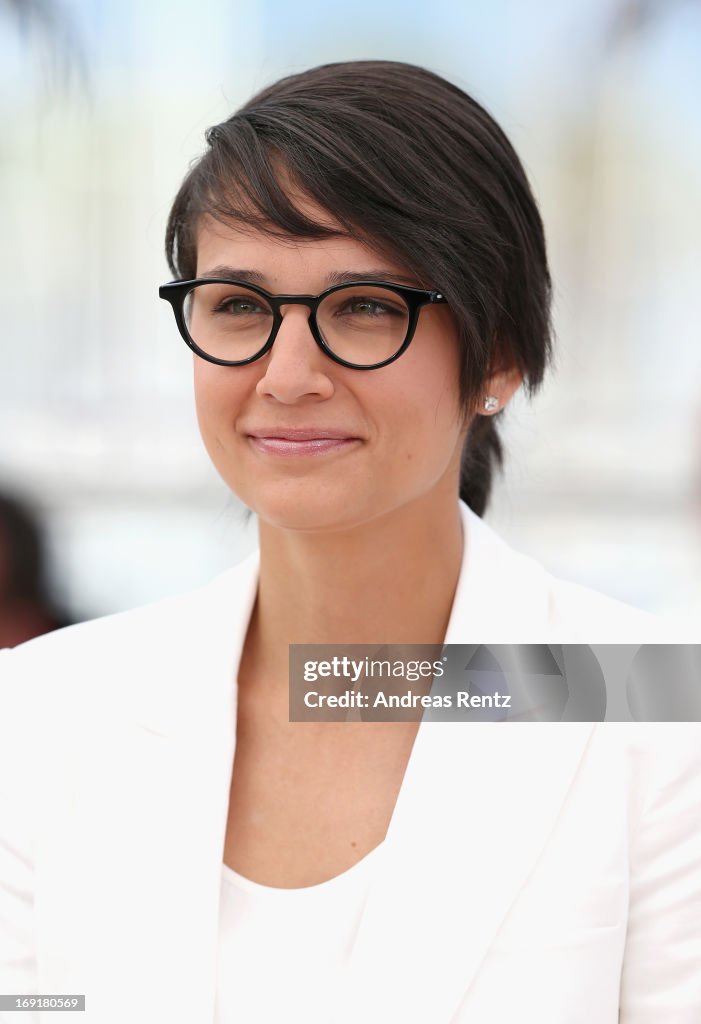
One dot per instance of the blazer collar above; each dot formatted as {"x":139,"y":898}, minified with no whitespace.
{"x":195,"y":641}
{"x":502,"y":596}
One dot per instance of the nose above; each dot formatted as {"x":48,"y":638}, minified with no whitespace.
{"x":295,"y":367}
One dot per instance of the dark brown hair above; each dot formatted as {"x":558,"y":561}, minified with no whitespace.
{"x":409,"y":163}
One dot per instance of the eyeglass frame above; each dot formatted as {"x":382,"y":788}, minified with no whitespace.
{"x":175,"y":292}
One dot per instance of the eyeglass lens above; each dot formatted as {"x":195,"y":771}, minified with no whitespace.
{"x":363,"y":325}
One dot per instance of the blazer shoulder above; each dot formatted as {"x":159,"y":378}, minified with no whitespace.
{"x":577,"y":609}
{"x":120,"y":641}
{"x":526,"y":600}
{"x":94,"y":637}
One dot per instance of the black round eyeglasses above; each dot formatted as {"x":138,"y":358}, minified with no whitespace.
{"x":363,"y":325}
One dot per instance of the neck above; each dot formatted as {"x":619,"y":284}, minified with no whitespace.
{"x":390,"y":580}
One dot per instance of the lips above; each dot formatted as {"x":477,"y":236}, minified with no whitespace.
{"x":301,"y":434}
{"x":300,"y":441}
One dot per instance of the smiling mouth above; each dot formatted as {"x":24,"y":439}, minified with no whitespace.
{"x":289,"y":446}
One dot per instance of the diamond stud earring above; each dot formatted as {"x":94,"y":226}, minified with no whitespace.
{"x":491,"y":403}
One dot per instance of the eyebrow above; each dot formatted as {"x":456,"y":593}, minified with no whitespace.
{"x":332,"y":278}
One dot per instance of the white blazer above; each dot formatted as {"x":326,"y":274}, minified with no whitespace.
{"x":533,"y":872}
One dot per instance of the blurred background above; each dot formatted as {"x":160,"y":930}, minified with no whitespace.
{"x":102,"y":107}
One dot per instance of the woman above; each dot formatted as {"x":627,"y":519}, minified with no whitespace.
{"x":365,"y":288}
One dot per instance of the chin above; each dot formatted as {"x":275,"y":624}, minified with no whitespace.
{"x":306,"y":511}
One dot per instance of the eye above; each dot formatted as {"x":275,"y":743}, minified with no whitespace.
{"x":366,"y":306}
{"x":240,"y":306}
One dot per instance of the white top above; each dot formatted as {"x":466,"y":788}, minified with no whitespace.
{"x":282,"y":952}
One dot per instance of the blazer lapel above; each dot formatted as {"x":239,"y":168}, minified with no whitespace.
{"x":476,"y":808}
{"x":129,"y":883}
{"x":502,"y":596}
{"x":477,"y":804}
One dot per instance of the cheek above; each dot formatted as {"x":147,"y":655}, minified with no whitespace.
{"x":428,"y":410}
{"x":218,"y":394}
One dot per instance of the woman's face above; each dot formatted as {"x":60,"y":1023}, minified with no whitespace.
{"x":402,"y":423}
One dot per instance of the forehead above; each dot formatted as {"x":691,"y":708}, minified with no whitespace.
{"x":282,"y":258}
{"x":214,"y":239}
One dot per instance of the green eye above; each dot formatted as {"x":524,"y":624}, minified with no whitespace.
{"x":241,"y":307}
{"x":367,"y":307}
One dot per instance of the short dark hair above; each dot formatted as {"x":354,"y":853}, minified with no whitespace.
{"x":407,"y":162}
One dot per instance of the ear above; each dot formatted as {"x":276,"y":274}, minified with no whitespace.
{"x":501,"y":384}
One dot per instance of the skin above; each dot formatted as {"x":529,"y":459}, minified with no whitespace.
{"x":362,"y":545}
